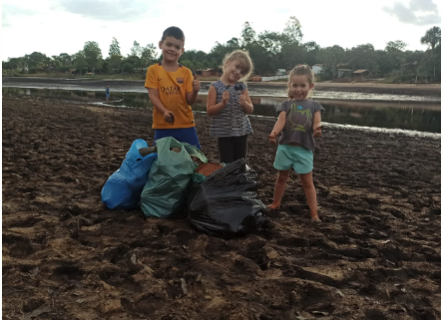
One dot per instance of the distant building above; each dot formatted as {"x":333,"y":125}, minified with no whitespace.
{"x":361,"y":74}
{"x":317,"y":68}
{"x":281,"y":72}
{"x":344,"y":73}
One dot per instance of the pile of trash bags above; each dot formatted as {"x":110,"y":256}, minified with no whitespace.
{"x":174,"y":180}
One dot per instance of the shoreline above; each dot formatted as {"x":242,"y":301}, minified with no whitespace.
{"x":433,"y":90}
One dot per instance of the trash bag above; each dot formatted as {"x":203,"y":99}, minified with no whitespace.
{"x":165,"y":192}
{"x":225,"y":204}
{"x":123,"y":188}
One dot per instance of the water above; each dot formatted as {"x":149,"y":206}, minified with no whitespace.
{"x":419,"y":116}
{"x":255,"y":89}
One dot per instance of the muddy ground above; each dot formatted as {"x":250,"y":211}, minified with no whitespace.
{"x":376,"y":255}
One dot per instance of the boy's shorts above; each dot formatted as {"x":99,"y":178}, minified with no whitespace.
{"x":188,"y":135}
{"x":108,"y":95}
{"x":297,"y":157}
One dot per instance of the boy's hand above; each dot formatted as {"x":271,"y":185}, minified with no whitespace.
{"x":169,"y":117}
{"x":225,"y":97}
{"x":273,"y":137}
{"x":196,"y":86}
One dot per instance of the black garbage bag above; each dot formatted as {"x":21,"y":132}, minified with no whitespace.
{"x":225,"y":204}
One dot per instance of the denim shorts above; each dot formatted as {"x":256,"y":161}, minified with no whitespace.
{"x":188,"y":135}
{"x":297,"y":157}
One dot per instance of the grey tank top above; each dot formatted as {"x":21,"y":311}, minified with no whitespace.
{"x":231,"y":121}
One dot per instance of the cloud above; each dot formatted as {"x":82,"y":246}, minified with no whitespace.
{"x":10,"y":11}
{"x":117,"y":10}
{"x":419,"y":12}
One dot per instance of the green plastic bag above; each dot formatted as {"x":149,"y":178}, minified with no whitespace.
{"x":164,"y":195}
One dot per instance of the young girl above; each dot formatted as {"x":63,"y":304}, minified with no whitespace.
{"x":299,"y":122}
{"x":229,"y":104}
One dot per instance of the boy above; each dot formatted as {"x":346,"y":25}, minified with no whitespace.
{"x":108,"y":94}
{"x":172,"y":89}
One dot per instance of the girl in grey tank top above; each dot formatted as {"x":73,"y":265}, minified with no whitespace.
{"x":228,"y":105}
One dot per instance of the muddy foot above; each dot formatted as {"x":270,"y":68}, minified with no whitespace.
{"x":315,"y":220}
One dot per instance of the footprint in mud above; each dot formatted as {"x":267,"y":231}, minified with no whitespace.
{"x":18,"y":246}
{"x":119,"y":278}
{"x":68,"y":271}
{"x":26,"y":222}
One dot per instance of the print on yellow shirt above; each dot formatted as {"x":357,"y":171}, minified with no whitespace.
{"x":172,"y":88}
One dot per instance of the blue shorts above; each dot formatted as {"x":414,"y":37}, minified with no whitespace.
{"x":108,"y":95}
{"x":188,"y":135}
{"x":297,"y":157}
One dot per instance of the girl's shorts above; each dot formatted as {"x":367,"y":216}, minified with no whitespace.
{"x":297,"y":157}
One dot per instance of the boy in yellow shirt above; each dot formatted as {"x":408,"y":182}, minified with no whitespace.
{"x":173,"y":89}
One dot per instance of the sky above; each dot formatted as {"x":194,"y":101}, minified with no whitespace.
{"x":63,"y":26}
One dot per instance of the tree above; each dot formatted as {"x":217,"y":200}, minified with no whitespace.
{"x":395,"y":50}
{"x":248,"y":34}
{"x":127,"y":67}
{"x":136,"y":49}
{"x":114,"y":62}
{"x":93,"y":55}
{"x":37,"y":59}
{"x":432,"y":38}
{"x":133,"y":60}
{"x":148,"y":55}
{"x":363,"y":57}
{"x":80,"y":61}
{"x":330,"y":57}
{"x":293,"y":30}
{"x":65,"y":59}
{"x":312,"y":49}
{"x":114,"y":48}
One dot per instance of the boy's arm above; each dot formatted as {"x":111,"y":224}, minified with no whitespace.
{"x":316,"y":126}
{"x":278,"y":127}
{"x":154,"y":97}
{"x":213,"y":108}
{"x":245,"y":102}
{"x":191,"y":97}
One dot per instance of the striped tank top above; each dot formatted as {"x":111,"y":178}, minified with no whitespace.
{"x":231,"y":121}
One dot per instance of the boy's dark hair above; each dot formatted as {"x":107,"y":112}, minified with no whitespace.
{"x":175,"y":32}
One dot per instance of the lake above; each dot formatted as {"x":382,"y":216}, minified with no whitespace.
{"x":381,"y":112}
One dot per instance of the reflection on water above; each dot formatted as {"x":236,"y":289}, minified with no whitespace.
{"x":404,"y":115}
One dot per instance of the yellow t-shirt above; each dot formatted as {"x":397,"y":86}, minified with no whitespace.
{"x":172,"y":88}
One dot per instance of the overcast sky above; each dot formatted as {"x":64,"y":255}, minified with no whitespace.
{"x":63,"y":26}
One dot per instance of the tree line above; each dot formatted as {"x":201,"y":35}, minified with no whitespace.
{"x":269,"y":51}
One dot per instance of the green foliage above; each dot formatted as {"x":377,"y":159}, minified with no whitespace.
{"x":114,"y":48}
{"x":269,"y":50}
{"x":93,"y":55}
{"x":128,"y":68}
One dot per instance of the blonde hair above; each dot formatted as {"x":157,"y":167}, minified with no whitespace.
{"x":301,"y":70}
{"x":244,"y":60}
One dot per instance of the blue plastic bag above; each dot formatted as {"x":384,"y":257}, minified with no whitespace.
{"x":123,"y":188}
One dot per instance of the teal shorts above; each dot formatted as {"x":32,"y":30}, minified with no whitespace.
{"x":299,"y":158}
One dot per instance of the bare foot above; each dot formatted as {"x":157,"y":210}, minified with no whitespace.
{"x":315,"y":220}
{"x":274,"y":206}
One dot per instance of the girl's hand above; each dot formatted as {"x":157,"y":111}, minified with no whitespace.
{"x":225,"y":97}
{"x":242,"y":100}
{"x":273,"y":137}
{"x":317,"y":130}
